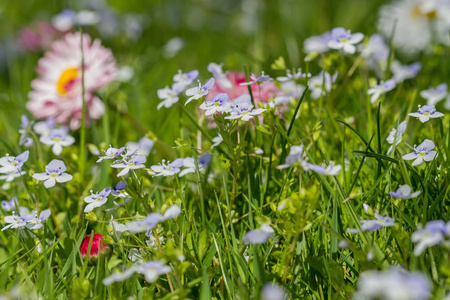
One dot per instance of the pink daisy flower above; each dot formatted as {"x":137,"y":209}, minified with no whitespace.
{"x":57,"y":92}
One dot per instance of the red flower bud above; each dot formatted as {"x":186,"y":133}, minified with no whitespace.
{"x":97,"y":246}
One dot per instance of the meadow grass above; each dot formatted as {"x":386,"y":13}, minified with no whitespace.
{"x":240,"y":190}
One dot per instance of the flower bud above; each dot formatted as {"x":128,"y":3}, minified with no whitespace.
{"x":98,"y":247}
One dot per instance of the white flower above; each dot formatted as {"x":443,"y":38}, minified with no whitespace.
{"x":133,"y":163}
{"x":217,"y":140}
{"x":259,"y":236}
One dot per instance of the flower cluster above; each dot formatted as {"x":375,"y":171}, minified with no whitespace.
{"x":11,"y":166}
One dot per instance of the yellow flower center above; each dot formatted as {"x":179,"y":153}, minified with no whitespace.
{"x":426,"y":114}
{"x":417,"y":12}
{"x":66,"y":81}
{"x":54,"y":175}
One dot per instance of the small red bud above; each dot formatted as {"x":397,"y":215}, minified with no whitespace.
{"x":97,"y":247}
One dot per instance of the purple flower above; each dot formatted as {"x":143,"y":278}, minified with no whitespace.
{"x":421,"y":153}
{"x":257,"y":80}
{"x":317,"y":43}
{"x":218,"y":104}
{"x":381,"y":89}
{"x":164,"y":169}
{"x":119,"y":190}
{"x":111,"y":153}
{"x":13,"y":163}
{"x":404,"y":192}
{"x":199,"y":91}
{"x":402,"y":72}
{"x":182,"y":80}
{"x":96,"y":200}
{"x":343,"y":39}
{"x":434,"y":95}
{"x":395,"y":137}
{"x":259,"y":236}
{"x":54,"y":172}
{"x":431,"y":235}
{"x":243,"y":109}
{"x":36,"y":222}
{"x":132,"y":163}
{"x":425,"y":113}
{"x":57,"y":139}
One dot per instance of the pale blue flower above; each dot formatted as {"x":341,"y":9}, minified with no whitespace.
{"x":127,"y":164}
{"x":217,"y":140}
{"x":402,"y":72}
{"x":260,"y":235}
{"x":321,"y":84}
{"x":144,"y":146}
{"x":13,"y":163}
{"x":343,"y":39}
{"x":166,"y":169}
{"x":96,"y":200}
{"x":434,"y":95}
{"x":330,"y":170}
{"x":395,"y":137}
{"x":16,"y":221}
{"x":220,"y":76}
{"x":425,"y":113}
{"x":423,"y":152}
{"x":393,"y":284}
{"x":293,"y":77}
{"x":317,"y":43}
{"x":257,"y":80}
{"x":58,"y":138}
{"x":111,"y":153}
{"x":10,"y":176}
{"x":295,"y":158}
{"x":243,"y":109}
{"x":182,"y":80}
{"x":150,"y":269}
{"x":169,"y":96}
{"x":218,"y":104}
{"x":10,"y":204}
{"x":404,"y":192}
{"x":433,"y":234}
{"x":25,"y":125}
{"x":44,"y":127}
{"x":54,"y":172}
{"x":271,"y":291}
{"x":37,"y":221}
{"x":199,"y":91}
{"x":189,"y":164}
{"x":380,"y":89}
